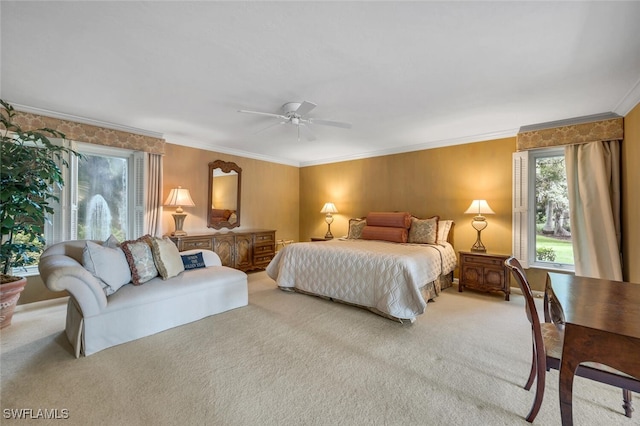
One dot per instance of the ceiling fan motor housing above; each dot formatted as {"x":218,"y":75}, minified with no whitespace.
{"x":289,"y":109}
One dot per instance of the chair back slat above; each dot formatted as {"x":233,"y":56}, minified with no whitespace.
{"x":518,"y":273}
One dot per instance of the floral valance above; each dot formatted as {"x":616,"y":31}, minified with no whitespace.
{"x":603,"y":130}
{"x":81,"y":132}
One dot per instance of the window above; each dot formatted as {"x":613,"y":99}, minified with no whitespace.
{"x":103,"y":194}
{"x":541,"y":226}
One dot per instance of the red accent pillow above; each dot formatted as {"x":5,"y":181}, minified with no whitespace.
{"x":385,"y":233}
{"x":391,"y":219}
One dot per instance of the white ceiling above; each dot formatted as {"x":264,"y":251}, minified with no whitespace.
{"x":407,"y":75}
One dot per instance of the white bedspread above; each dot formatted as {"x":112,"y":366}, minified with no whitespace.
{"x":375,"y":274}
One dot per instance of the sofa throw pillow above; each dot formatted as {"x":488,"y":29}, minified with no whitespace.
{"x":444,"y":227}
{"x":385,"y":233}
{"x":192,"y":261}
{"x":111,"y":242}
{"x":391,"y":219}
{"x":107,"y":264}
{"x":140,"y":259}
{"x":423,"y":231}
{"x":355,"y":228}
{"x":166,"y":257}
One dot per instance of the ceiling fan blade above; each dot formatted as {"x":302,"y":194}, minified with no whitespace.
{"x":305,"y":107}
{"x":270,"y":126}
{"x":307,"y":133}
{"x":268,"y":114}
{"x":330,"y":123}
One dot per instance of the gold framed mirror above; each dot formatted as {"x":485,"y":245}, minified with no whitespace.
{"x":224,"y":194}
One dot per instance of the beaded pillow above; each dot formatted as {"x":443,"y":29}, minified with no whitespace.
{"x":140,"y":259}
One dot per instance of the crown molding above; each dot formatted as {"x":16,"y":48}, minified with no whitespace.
{"x":84,"y":120}
{"x":629,"y":101}
{"x":419,"y":147}
{"x":182,"y":141}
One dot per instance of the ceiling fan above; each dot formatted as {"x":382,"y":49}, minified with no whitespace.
{"x":295,"y":113}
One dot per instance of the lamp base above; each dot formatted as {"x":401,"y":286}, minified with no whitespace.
{"x":478,"y":247}
{"x":328,"y":235}
{"x":179,"y":221}
{"x":479,"y":223}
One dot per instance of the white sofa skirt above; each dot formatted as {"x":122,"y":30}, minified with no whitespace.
{"x":138,"y":311}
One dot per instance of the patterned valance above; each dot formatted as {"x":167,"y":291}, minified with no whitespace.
{"x":81,"y":132}
{"x":603,"y":130}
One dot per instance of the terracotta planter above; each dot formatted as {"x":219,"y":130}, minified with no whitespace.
{"x":9,"y":295}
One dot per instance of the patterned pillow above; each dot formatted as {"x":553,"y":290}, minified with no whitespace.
{"x":166,"y":257}
{"x":444,"y":226}
{"x":140,"y":259}
{"x":423,"y":231}
{"x":193,"y":261}
{"x":355,"y":228}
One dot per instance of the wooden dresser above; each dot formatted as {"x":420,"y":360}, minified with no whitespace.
{"x":484,"y":271}
{"x":244,"y":250}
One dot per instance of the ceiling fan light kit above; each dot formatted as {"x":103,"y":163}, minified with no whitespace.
{"x":294,"y":113}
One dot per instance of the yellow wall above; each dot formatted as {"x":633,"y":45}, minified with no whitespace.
{"x":440,"y":181}
{"x":269,"y":194}
{"x":630,"y":190}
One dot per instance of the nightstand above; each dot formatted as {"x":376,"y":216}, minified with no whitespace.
{"x":320,"y":239}
{"x":484,"y":272}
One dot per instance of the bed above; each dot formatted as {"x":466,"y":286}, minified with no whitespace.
{"x":394,"y":279}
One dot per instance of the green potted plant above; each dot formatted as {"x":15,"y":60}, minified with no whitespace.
{"x":29,"y":174}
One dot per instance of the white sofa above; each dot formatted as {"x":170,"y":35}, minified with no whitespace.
{"x":96,"y":321}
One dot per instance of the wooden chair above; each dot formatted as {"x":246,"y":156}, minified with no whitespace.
{"x":547,"y":352}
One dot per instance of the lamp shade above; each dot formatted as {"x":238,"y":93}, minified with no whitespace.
{"x":329,"y":208}
{"x":179,"y":197}
{"x":479,"y":207}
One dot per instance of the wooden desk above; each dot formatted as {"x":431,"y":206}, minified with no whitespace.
{"x":601,"y":324}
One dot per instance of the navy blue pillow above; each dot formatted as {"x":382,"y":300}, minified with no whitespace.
{"x":192,"y":261}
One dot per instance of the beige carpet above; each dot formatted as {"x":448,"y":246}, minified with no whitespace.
{"x":292,"y":359}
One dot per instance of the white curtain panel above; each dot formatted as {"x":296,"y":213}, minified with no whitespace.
{"x":153,"y":208}
{"x":593,"y":178}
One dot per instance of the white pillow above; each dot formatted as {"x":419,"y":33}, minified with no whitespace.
{"x":107,"y":264}
{"x":444,"y":226}
{"x":166,"y":257}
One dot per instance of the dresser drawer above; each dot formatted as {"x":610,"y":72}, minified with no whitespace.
{"x":482,"y":260}
{"x":262,"y":261}
{"x":265,"y":237}
{"x":264,"y":249}
{"x":204,"y":244}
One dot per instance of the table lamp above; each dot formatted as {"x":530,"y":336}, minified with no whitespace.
{"x":179,"y":197}
{"x":479,"y":207}
{"x":329,"y":209}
